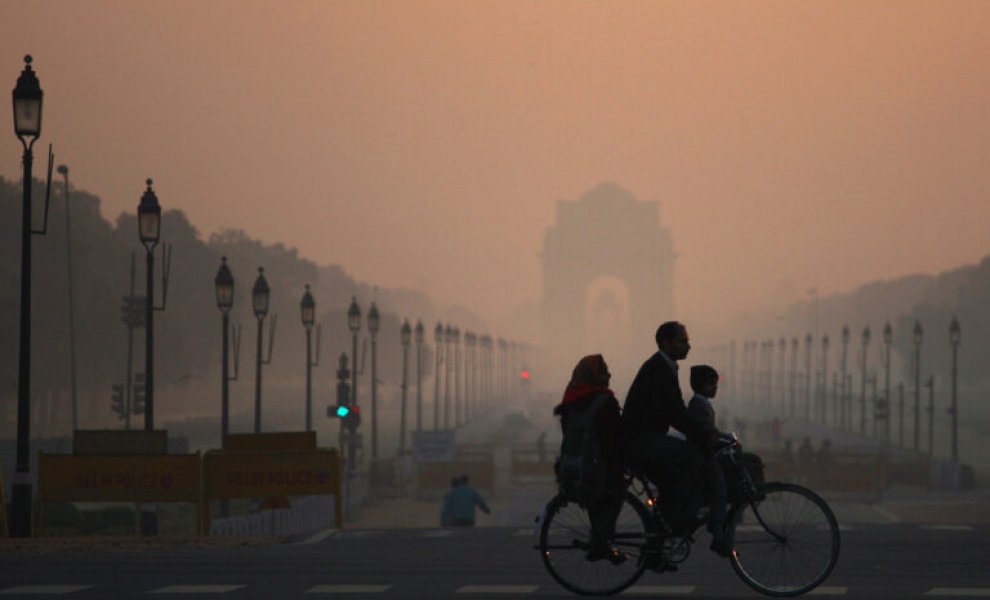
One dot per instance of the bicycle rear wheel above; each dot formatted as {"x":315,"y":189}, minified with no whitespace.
{"x":786,"y":543}
{"x":565,"y":541}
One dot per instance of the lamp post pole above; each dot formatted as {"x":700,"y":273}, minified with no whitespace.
{"x":149,"y":223}
{"x":862,"y":397}
{"x":307,"y":313}
{"x":438,"y":341}
{"x":260,"y":296}
{"x":224,"y":284}
{"x":419,"y":334}
{"x":918,"y":336}
{"x":844,"y":418}
{"x":458,"y":409}
{"x":64,"y":172}
{"x":354,"y":324}
{"x":27,"y":98}
{"x":373,"y":322}
{"x":404,"y":335}
{"x":448,"y":338}
{"x":888,"y":339}
{"x":824,"y":386}
{"x":954,"y":336}
{"x":807,"y":376}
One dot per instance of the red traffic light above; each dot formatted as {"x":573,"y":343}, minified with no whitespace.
{"x":524,"y":374}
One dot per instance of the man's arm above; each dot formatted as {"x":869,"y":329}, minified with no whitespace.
{"x":481,"y":503}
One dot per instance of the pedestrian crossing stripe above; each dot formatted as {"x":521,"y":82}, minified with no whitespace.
{"x":45,"y":589}
{"x":348,"y":589}
{"x":497,"y":589}
{"x":960,"y":592}
{"x":660,"y":590}
{"x":196,"y":589}
{"x":317,"y":537}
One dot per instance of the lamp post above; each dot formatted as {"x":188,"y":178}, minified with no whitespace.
{"x":918,"y":336}
{"x":419,"y":334}
{"x":27,"y":98}
{"x":807,"y":376}
{"x":794,"y":380}
{"x":307,"y":313}
{"x":954,"y":335}
{"x":373,"y":323}
{"x":844,"y":393}
{"x":354,"y":324}
{"x":438,"y":341}
{"x":862,"y":398}
{"x":260,"y":297}
{"x":824,"y":386}
{"x":149,"y":224}
{"x":458,"y":409}
{"x":64,"y":172}
{"x":448,"y":338}
{"x":888,"y":339}
{"x":405,"y":333}
{"x":470,"y":399}
{"x":224,"y":284}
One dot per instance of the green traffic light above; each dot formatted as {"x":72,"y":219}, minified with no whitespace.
{"x":342,"y":411}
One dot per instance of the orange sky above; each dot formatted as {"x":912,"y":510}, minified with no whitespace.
{"x":425,"y":144}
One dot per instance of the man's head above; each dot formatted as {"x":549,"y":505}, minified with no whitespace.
{"x":672,"y":338}
{"x":704,"y":380}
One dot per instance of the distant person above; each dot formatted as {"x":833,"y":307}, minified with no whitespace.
{"x":704,"y":384}
{"x":824,"y":457}
{"x":805,"y":453}
{"x":541,"y":447}
{"x":459,"y":504}
{"x":787,"y":455}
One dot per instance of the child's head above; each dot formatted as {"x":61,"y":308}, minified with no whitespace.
{"x":704,"y":380}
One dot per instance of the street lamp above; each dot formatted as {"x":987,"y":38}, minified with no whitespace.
{"x":373,"y":323}
{"x":64,"y":172}
{"x":448,"y":338}
{"x":307,"y":313}
{"x":260,"y":299}
{"x":888,"y":339}
{"x":862,"y":398}
{"x":149,"y":231}
{"x":918,"y":336}
{"x":27,"y":99}
{"x":419,"y":333}
{"x":405,"y":333}
{"x":954,"y":335}
{"x":807,"y":375}
{"x":824,"y":386}
{"x":438,"y":341}
{"x":354,"y":324}
{"x":224,"y":284}
{"x":844,"y":394}
{"x":458,"y":409}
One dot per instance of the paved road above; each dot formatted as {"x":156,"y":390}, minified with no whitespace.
{"x":896,"y":560}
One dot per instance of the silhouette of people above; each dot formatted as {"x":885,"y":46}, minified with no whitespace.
{"x":805,"y":453}
{"x":459,"y":504}
{"x":704,"y":383}
{"x":653,"y":405}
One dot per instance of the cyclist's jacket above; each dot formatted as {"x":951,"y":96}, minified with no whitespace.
{"x":655,"y":404}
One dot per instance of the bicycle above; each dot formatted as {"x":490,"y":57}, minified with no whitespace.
{"x":784,"y":538}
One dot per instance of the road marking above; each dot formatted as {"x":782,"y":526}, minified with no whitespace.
{"x":348,"y":589}
{"x":196,"y":589}
{"x":891,"y":518}
{"x":497,"y":589}
{"x":660,"y":590}
{"x":44,"y":589}
{"x":968,"y":592}
{"x":361,"y":533}
{"x":317,"y":537}
{"x":437,"y":533}
{"x":835,"y":590}
{"x":947,"y":528}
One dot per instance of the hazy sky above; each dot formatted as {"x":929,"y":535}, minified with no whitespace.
{"x":425,"y":144}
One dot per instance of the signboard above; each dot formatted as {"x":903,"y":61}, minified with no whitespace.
{"x":268,"y":474}
{"x":119,"y":441}
{"x":107,"y":478}
{"x":434,"y":446}
{"x":270,"y":442}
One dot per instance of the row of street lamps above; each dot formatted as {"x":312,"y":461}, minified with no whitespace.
{"x":762,"y":386}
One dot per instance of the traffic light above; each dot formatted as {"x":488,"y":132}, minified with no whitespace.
{"x":524,"y":375}
{"x":117,"y":401}
{"x":352,"y":418}
{"x":137,"y":407}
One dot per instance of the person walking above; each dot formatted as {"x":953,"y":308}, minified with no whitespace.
{"x":459,"y":504}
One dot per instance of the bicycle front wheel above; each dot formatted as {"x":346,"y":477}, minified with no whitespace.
{"x":565,"y":543}
{"x":786,"y":542}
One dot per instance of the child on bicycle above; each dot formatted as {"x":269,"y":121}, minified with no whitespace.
{"x":704,"y":383}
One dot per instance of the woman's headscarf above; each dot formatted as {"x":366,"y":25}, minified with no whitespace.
{"x":590,"y":375}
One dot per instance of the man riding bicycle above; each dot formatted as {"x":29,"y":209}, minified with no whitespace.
{"x":653,"y":405}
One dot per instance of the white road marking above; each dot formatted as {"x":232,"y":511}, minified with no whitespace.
{"x":196,"y":589}
{"x":825,"y":590}
{"x":361,"y":533}
{"x":45,"y":589}
{"x":960,"y":592}
{"x":317,"y":537}
{"x":660,"y":590}
{"x":947,"y":528}
{"x":348,"y":589}
{"x":891,"y":518}
{"x":497,"y":589}
{"x":437,"y":533}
